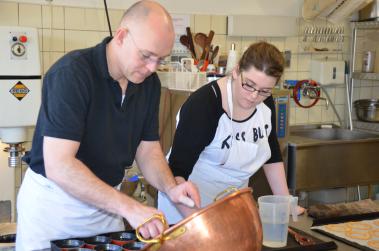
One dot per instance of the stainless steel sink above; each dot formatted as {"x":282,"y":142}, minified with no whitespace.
{"x":320,"y":158}
{"x":332,"y":134}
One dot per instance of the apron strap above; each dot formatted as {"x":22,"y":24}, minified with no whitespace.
{"x":230,"y":97}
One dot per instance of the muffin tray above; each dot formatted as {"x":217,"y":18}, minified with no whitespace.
{"x":115,"y":241}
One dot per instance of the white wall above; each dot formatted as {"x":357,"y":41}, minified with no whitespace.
{"x":214,"y":7}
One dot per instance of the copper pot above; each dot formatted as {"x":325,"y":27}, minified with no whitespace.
{"x":231,"y":223}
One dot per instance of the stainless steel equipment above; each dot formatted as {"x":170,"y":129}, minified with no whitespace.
{"x":367,"y":109}
{"x":360,"y":43}
{"x":320,"y":158}
{"x":20,"y":86}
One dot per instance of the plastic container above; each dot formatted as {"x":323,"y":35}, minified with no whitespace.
{"x":274,"y":211}
{"x":368,"y":61}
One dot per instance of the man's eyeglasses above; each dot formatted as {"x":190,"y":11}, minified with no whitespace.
{"x":251,"y":88}
{"x":146,"y":56}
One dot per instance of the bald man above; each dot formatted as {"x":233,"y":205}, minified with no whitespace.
{"x":99,"y":112}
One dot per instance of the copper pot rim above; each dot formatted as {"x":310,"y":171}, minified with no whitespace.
{"x":203,"y":210}
{"x":210,"y":206}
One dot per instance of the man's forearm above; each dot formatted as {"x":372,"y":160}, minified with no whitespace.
{"x":154,"y":166}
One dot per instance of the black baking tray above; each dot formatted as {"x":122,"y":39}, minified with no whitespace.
{"x":342,"y":219}
{"x":8,"y":238}
{"x":292,"y":245}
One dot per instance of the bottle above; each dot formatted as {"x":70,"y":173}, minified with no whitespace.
{"x":368,"y":61}
{"x":232,"y":59}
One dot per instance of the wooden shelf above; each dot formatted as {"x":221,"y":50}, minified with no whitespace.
{"x":366,"y":24}
{"x":365,"y":76}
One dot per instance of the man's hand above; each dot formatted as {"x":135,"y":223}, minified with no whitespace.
{"x":139,"y":215}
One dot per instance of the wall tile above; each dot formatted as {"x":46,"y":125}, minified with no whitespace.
{"x":340,"y":98}
{"x":331,"y":91}
{"x":49,"y":58}
{"x":291,"y":43}
{"x":220,"y":40}
{"x":327,"y":115}
{"x":365,"y":83}
{"x":54,"y":42}
{"x":356,"y":93}
{"x":237,"y":41}
{"x":9,"y":14}
{"x":303,"y":75}
{"x":192,"y":22}
{"x":294,"y":63}
{"x":74,"y":18}
{"x":315,"y":115}
{"x":82,"y":39}
{"x":58,"y":16}
{"x":40,"y":39}
{"x":246,"y":42}
{"x":218,"y":24}
{"x":278,"y":42}
{"x":74,"y":40}
{"x":304,"y":62}
{"x":289,"y":75}
{"x":341,"y":110}
{"x":375,"y":91}
{"x":115,"y":18}
{"x":365,"y":93}
{"x":292,"y":120}
{"x":302,"y":115}
{"x":30,"y":15}
{"x":95,"y":20}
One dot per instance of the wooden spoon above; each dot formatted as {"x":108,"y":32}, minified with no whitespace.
{"x":207,"y":45}
{"x":190,"y":42}
{"x":214,"y":54}
{"x":200,"y":39}
{"x":184,"y":40}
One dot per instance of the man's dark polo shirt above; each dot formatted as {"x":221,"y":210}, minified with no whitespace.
{"x":81,"y":102}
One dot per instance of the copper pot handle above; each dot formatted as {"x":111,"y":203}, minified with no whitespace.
{"x":226,"y":191}
{"x":154,"y":240}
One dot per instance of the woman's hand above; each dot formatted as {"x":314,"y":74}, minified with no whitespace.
{"x":185,"y":193}
{"x":300,"y":210}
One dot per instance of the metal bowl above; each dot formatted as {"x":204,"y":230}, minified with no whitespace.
{"x":367,"y":110}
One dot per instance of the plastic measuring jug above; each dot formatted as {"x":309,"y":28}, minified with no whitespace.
{"x":274,"y":211}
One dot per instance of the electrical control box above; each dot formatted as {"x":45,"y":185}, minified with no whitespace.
{"x":327,"y":72}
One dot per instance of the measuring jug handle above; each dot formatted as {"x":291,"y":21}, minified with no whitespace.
{"x":293,"y":207}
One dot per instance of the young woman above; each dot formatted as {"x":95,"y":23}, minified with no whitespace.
{"x":226,"y":131}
